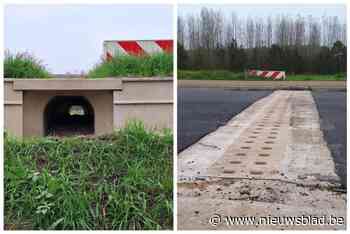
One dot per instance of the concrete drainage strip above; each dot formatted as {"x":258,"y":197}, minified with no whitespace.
{"x":274,"y":144}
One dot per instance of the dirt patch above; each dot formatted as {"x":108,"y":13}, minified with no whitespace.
{"x":258,"y":198}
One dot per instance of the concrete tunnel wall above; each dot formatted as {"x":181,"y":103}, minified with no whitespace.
{"x":13,"y":109}
{"x":115,"y":102}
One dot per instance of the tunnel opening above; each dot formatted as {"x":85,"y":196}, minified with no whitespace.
{"x":69,"y":116}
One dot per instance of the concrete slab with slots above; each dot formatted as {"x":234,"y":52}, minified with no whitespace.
{"x":276,"y":140}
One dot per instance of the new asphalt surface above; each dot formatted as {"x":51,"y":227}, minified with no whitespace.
{"x":332,"y":110}
{"x":203,"y":110}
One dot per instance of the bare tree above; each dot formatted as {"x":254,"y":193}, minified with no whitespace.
{"x":181,"y":30}
{"x":259,"y":33}
{"x":250,"y":33}
{"x":213,"y":40}
{"x":299,"y":31}
{"x":234,"y":23}
{"x":269,"y":32}
{"x":343,"y":34}
{"x":282,"y":31}
{"x":193,"y":40}
{"x":314,"y":33}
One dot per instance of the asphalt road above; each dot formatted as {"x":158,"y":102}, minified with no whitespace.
{"x":332,"y":110}
{"x":203,"y":110}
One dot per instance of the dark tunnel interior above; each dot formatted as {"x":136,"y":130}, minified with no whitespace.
{"x":68,"y":116}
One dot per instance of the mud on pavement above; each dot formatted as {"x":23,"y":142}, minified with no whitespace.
{"x":271,"y":160}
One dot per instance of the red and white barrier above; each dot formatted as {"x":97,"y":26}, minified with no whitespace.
{"x":136,"y":48}
{"x":275,"y":75}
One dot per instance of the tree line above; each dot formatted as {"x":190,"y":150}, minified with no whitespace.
{"x":297,"y":44}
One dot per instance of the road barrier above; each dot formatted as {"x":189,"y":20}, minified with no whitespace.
{"x":275,"y":75}
{"x":136,"y":48}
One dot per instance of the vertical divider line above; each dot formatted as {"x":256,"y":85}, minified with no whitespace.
{"x":2,"y":200}
{"x":174,"y":4}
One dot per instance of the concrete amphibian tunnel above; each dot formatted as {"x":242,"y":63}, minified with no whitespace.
{"x":79,"y":106}
{"x":69,"y":115}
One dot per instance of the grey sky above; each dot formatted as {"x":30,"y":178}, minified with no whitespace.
{"x":271,"y":10}
{"x":68,"y":38}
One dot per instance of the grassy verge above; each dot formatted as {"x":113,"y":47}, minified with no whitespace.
{"x":142,"y":66}
{"x":227,"y":75}
{"x":209,"y":75}
{"x":119,"y":181}
{"x":23,"y":65}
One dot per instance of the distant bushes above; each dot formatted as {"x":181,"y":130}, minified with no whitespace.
{"x":144,"y":66}
{"x":23,"y":65}
{"x":228,"y":75}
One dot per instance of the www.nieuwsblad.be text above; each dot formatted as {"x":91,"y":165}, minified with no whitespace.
{"x":303,"y":220}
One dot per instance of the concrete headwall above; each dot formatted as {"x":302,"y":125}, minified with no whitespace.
{"x":13,"y":109}
{"x":115,"y":102}
{"x":148,"y":100}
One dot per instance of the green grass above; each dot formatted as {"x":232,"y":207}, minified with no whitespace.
{"x":119,"y":181}
{"x":23,"y":65}
{"x":209,"y":75}
{"x":142,"y":66}
{"x":227,"y":75}
{"x":317,"y":77}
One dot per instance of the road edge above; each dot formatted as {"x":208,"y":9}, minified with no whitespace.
{"x":264,"y":85}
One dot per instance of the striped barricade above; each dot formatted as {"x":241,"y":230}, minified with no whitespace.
{"x":136,"y":48}
{"x":275,"y":75}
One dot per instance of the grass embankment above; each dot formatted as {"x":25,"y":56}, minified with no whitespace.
{"x":227,"y":75}
{"x":120,"y":181}
{"x":23,"y":65}
{"x":141,"y":66}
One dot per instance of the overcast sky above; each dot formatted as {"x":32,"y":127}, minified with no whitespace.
{"x":68,"y":38}
{"x":271,"y":10}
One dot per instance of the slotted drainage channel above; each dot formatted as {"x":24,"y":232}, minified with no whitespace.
{"x":260,"y":148}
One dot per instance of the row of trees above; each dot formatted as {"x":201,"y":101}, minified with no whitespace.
{"x":295,"y":44}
